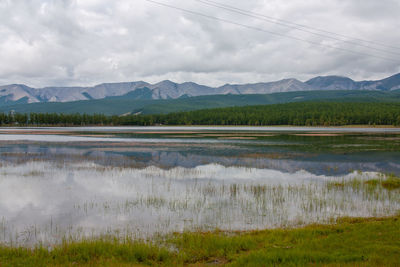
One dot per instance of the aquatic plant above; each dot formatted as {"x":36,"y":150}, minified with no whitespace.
{"x":86,"y":200}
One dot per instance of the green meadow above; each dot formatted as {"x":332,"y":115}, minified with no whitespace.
{"x":349,"y":242}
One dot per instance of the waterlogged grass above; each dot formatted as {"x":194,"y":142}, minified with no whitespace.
{"x":386,"y":181}
{"x":80,"y":201}
{"x":349,"y":242}
{"x":392,"y":182}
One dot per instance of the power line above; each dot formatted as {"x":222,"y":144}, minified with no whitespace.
{"x":289,"y":25}
{"x":303,"y":26}
{"x":266,"y":31}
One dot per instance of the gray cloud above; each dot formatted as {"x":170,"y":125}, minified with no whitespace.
{"x":85,"y":42}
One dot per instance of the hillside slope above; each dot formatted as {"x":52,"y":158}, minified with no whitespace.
{"x":130,"y":104}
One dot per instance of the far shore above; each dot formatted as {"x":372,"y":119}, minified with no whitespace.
{"x":226,"y":126}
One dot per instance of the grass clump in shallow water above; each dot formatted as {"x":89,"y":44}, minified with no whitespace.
{"x":350,"y":242}
{"x":391,"y":182}
{"x":386,"y":181}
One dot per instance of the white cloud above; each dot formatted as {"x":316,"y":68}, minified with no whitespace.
{"x":84,"y":42}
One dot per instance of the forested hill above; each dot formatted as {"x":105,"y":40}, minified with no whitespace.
{"x":300,"y":114}
{"x":130,"y":105}
{"x":303,"y":113}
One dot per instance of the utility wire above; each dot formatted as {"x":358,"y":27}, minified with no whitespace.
{"x":276,"y":20}
{"x":291,"y":25}
{"x":266,"y":31}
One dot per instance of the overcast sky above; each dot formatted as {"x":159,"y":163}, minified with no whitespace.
{"x":86,"y":42}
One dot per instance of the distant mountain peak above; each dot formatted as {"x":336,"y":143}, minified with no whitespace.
{"x":329,"y":77}
{"x":170,"y":90}
{"x":397,"y":76}
{"x":166,"y":82}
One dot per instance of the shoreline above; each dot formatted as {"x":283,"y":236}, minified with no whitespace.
{"x":348,"y":242}
{"x":199,"y":128}
{"x":201,"y":125}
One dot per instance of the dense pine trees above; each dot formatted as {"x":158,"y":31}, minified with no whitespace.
{"x":301,"y":114}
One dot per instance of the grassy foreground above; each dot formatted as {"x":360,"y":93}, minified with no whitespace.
{"x":350,"y":242}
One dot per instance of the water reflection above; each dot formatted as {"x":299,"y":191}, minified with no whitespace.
{"x":189,"y":157}
{"x":45,"y":202}
{"x":67,"y":185}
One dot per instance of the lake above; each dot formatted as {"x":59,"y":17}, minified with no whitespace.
{"x":146,"y":182}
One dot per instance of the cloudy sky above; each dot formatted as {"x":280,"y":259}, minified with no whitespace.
{"x":86,"y":42}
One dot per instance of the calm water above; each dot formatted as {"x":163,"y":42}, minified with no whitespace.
{"x":84,"y":182}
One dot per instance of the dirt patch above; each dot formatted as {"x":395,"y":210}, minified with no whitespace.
{"x":162,"y":132}
{"x":318,"y":134}
{"x":236,"y":134}
{"x":237,"y":138}
{"x":181,"y":136}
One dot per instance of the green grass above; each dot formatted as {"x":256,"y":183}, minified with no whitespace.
{"x":386,"y":181}
{"x":350,"y":242}
{"x":96,"y":252}
{"x":391,"y":182}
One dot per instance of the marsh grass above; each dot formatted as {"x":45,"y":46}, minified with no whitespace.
{"x":386,"y":181}
{"x":139,"y":203}
{"x":98,"y":252}
{"x":349,"y":242}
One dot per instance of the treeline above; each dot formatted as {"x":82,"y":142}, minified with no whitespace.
{"x":56,"y":119}
{"x":300,"y":114}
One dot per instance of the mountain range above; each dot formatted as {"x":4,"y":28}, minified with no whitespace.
{"x":15,"y":94}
